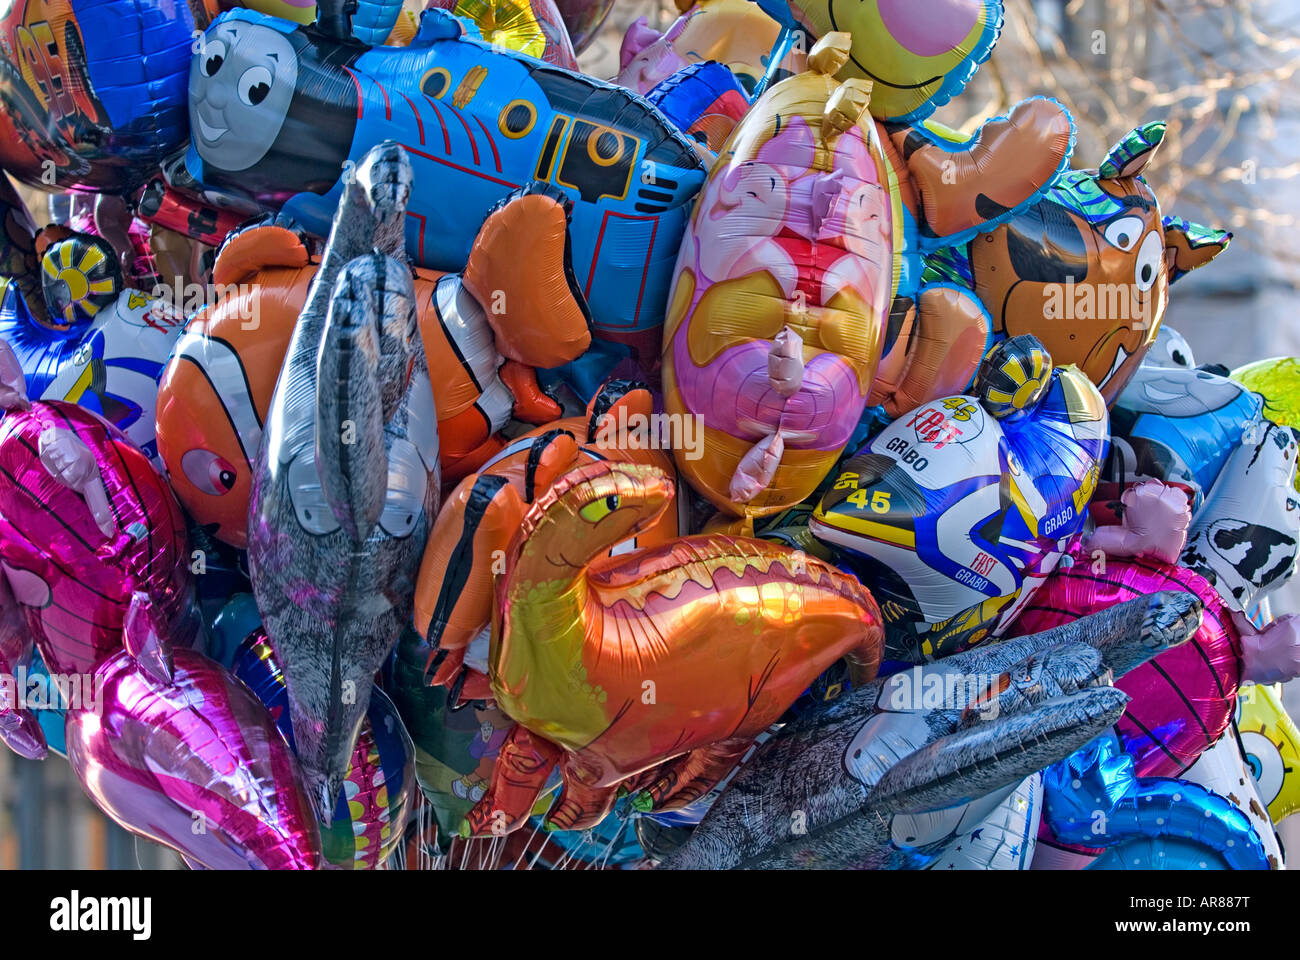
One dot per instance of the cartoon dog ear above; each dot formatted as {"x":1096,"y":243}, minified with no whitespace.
{"x":1189,"y":245}
{"x":1128,"y":157}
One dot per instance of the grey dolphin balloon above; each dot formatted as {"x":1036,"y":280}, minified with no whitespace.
{"x":346,"y":483}
{"x":882,"y":777}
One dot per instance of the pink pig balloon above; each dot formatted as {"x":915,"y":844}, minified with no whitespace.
{"x":85,"y":521}
{"x":174,"y":736}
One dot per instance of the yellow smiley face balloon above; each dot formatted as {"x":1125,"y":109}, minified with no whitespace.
{"x":919,"y":54}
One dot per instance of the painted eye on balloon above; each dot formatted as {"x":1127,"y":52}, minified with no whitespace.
{"x":208,"y":472}
{"x":1124,"y":232}
{"x":254,"y":85}
{"x":600,"y":509}
{"x":1150,"y":258}
{"x":1266,"y":764}
{"x":214,"y":55}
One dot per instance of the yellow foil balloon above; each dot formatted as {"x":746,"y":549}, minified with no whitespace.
{"x":1277,"y":380}
{"x":533,"y":27}
{"x":918,"y":53}
{"x":1271,"y":744}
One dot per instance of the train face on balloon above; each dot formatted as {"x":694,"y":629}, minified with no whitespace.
{"x":280,"y":114}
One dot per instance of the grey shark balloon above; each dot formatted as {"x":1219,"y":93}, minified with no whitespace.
{"x":887,"y":776}
{"x":346,"y":483}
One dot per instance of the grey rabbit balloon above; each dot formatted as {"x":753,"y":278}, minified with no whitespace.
{"x":346,"y":483}
{"x":883,"y":778}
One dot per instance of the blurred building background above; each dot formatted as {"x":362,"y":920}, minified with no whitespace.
{"x":1222,"y":73}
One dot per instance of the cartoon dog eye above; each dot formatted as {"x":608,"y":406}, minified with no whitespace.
{"x":1149,"y":261}
{"x":1124,"y":232}
{"x":214,"y":55}
{"x":212,"y":474}
{"x":254,"y":85}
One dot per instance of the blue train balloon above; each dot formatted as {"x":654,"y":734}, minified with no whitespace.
{"x":92,"y":91}
{"x":280,"y":113}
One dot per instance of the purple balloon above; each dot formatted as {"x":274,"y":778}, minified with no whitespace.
{"x":194,"y":762}
{"x":584,"y":19}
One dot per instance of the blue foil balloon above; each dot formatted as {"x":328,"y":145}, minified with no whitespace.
{"x":51,"y":718}
{"x":281,"y":114}
{"x":1093,"y":799}
{"x":1177,"y":425}
{"x":93,"y":91}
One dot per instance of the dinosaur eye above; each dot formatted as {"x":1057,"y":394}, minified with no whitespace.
{"x":1124,"y":232}
{"x":1149,"y":262}
{"x":210,"y":473}
{"x":600,"y":509}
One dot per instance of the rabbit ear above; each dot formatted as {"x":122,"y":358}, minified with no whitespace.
{"x":144,"y":634}
{"x":639,"y":36}
{"x":1128,"y":157}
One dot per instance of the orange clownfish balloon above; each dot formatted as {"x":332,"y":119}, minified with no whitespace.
{"x":515,"y":307}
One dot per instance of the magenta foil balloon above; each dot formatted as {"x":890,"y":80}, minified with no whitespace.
{"x":20,"y":731}
{"x":1183,"y":699}
{"x":85,"y":521}
{"x":196,"y":764}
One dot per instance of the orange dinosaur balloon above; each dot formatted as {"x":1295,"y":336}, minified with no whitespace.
{"x":454,"y":592}
{"x":654,"y":670}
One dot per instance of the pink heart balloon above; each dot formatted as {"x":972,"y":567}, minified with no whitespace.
{"x":85,"y":521}
{"x":194,"y":762}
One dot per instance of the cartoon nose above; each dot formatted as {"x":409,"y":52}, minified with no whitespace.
{"x":216,"y":96}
